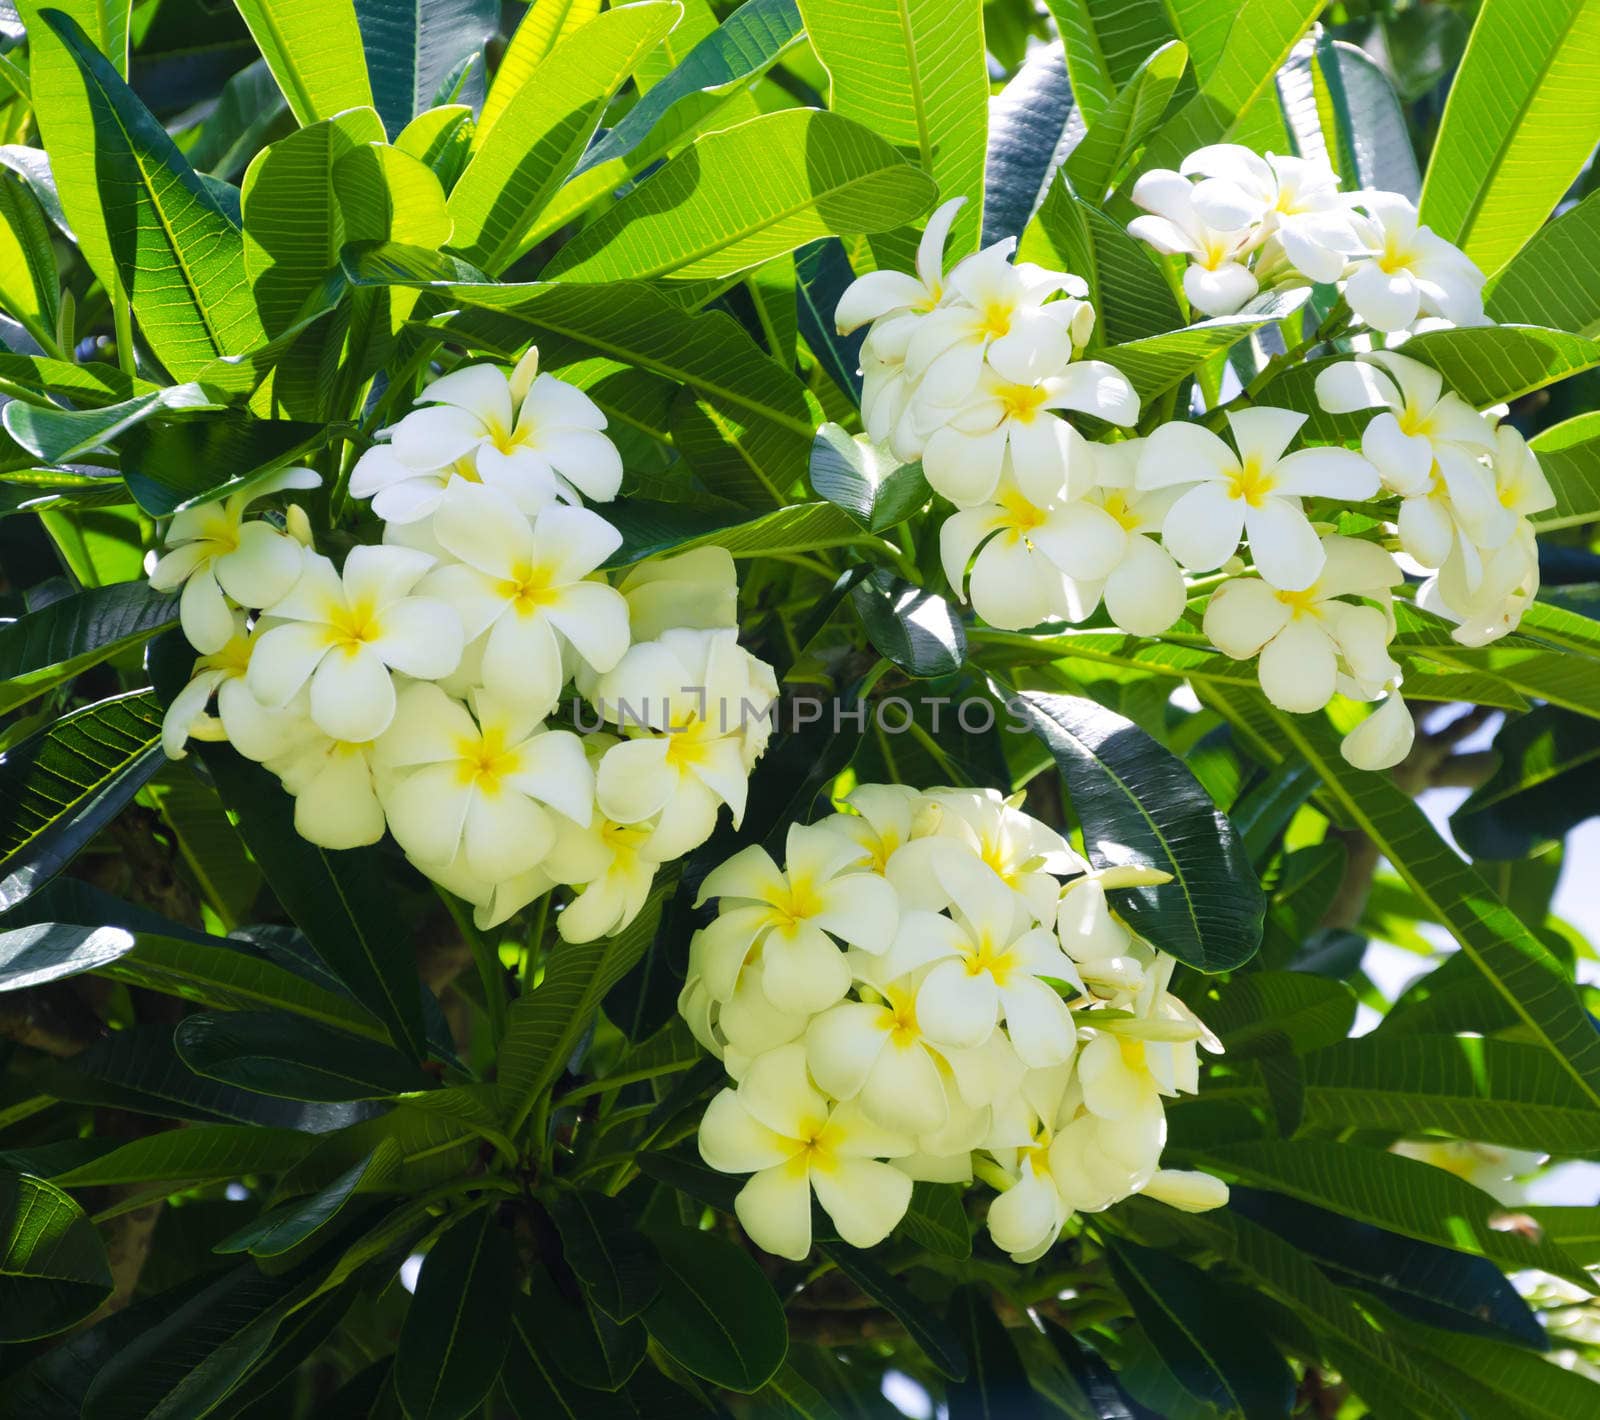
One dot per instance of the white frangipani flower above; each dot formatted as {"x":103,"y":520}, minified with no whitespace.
{"x":335,"y":791}
{"x":780,"y":1128}
{"x":344,"y":634}
{"x":476,"y":786}
{"x":1294,"y":202}
{"x":1187,"y":1190}
{"x":1050,"y":459}
{"x":1419,"y":422}
{"x":256,"y":732}
{"x":1306,"y":638}
{"x":1407,"y":270}
{"x":696,"y":705}
{"x":1255,"y":492}
{"x":1026,"y":855}
{"x":1217,"y":281}
{"x":536,"y":438}
{"x":888,"y":818}
{"x":214,"y":554}
{"x":892,"y":300}
{"x":1485,"y":593}
{"x":786,"y":918}
{"x":527,"y":587}
{"x":692,"y":591}
{"x":1111,"y":961}
{"x":1384,"y":738}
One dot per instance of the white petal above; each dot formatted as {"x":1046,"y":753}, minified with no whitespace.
{"x":1203,"y":527}
{"x":505,"y":834}
{"x":777,"y":1091}
{"x":377,"y":576}
{"x":203,"y":612}
{"x":732,"y":1140}
{"x":1146,"y":592}
{"x":904,"y":1090}
{"x":1242,"y":616}
{"x":556,"y":771}
{"x":594,"y":619}
{"x":965,"y":468}
{"x":1263,"y":433}
{"x":1219,"y":292}
{"x":875,"y":294}
{"x":866,"y":1200}
{"x":801,"y":970}
{"x":352,"y":696}
{"x":1026,"y":1214}
{"x":1283,"y":544}
{"x":263,"y":568}
{"x":1385,"y":302}
{"x":1083,"y":540}
{"x":522,"y":660}
{"x":634,"y":780}
{"x":421,"y":637}
{"x":1298,"y":669}
{"x":774,"y":1208}
{"x":860,"y":908}
{"x":1038,"y":1022}
{"x":1349,"y":385}
{"x":957,"y":1008}
{"x":482,"y":389}
{"x":282,"y":660}
{"x":1384,"y":738}
{"x":1186,"y":1189}
{"x":426,"y":812}
{"x":1180,"y":452}
{"x":338,"y":808}
{"x":1327,"y":473}
{"x":1403,"y":460}
{"x":484,"y":528}
{"x":435,"y":438}
{"x":843,"y":1044}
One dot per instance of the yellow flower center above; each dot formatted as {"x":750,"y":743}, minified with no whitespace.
{"x":352,"y":627}
{"x":903,"y":1027}
{"x":234,"y":658}
{"x":989,"y":956}
{"x":690,"y":743}
{"x":1020,"y":516}
{"x":1250,"y":482}
{"x":485,"y":760}
{"x":531,"y":588}
{"x":1116,"y":504}
{"x":996,"y":320}
{"x":624,"y":842}
{"x":795,"y":901}
{"x":1132,"y":1052}
{"x":1414,"y":421}
{"x":465,"y":468}
{"x":1022,"y":401}
{"x":819,"y":1142}
{"x":1395,"y":256}
{"x":1300,"y":603}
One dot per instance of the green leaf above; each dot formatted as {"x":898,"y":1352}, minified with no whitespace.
{"x":1432,"y":1284}
{"x":587,"y":1345}
{"x":1554,"y":280}
{"x":61,"y":105}
{"x":1130,"y":291}
{"x":289,"y":1224}
{"x":249,"y":109}
{"x":293,"y":223}
{"x":1106,"y":42}
{"x":1029,"y":123}
{"x":1339,"y":104}
{"x":274,"y":1053}
{"x":937,"y":1221}
{"x":89,"y":385}
{"x":1272,"y":1012}
{"x":45,"y":648}
{"x":1139,"y":804}
{"x":1456,"y":896}
{"x":1569,"y":454}
{"x":544,"y":128}
{"x":1403,"y":1195}
{"x":716,"y":1313}
{"x":1116,"y":133}
{"x":543,"y":24}
{"x":1547,"y":782}
{"x":614,"y":1261}
{"x":413,"y":46}
{"x":1218,"y":1362}
{"x":313,"y":48}
{"x":915,"y":73}
{"x":33,"y":955}
{"x":1512,"y":1381}
{"x":543,"y":1027}
{"x":915,"y":629}
{"x":1517,"y":128}
{"x":170,"y":465}
{"x":338,"y":899}
{"x":1495,"y":364}
{"x":1158,"y":362}
{"x":537,"y":1389}
{"x":939,"y":1340}
{"x":62,"y":785}
{"x":176,"y":252}
{"x":458,"y":1325}
{"x":997,"y":1384}
{"x":201,"y":1153}
{"x":53,"y":1266}
{"x":736,"y":198}
{"x":30,"y":289}
{"x":60,"y":435}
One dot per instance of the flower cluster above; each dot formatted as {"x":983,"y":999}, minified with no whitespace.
{"x":417,"y":687}
{"x":912,"y":994}
{"x":1247,"y":223}
{"x":980,"y":374}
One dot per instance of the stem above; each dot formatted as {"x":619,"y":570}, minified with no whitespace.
{"x":535,"y":943}
{"x":490,"y":972}
{"x":122,"y":317}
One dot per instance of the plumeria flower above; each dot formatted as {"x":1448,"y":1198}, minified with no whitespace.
{"x":1111,"y":961}
{"x":477,"y":786}
{"x":1384,"y":738}
{"x":344,"y":634}
{"x":1027,"y":1218}
{"x":778,"y":1127}
{"x":336,"y":802}
{"x":1096,"y":1162}
{"x":611,"y":863}
{"x":214,"y":554}
{"x":1520,"y":490}
{"x":744,"y":1026}
{"x":789,"y":917}
{"x":1026,"y":855}
{"x":888,"y":819}
{"x":1484,"y":593}
{"x":963,"y":459}
{"x":1105,"y":542}
{"x":1420,"y":419}
{"x":1217,"y":280}
{"x":534,"y":437}
{"x":1255,"y":491}
{"x":1409,"y":270}
{"x":526,"y":587}
{"x":1014,"y":582}
{"x":998,"y":314}
{"x":692,"y":591}
{"x":256,"y":732}
{"x":1187,"y":1190}
{"x":887,"y":411}
{"x":988,"y":957}
{"x":893,"y":300}
{"x":1305,"y":638}
{"x":1294,"y":201}
{"x":696,"y":704}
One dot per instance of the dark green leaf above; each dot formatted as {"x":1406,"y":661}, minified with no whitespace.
{"x":290,"y":1224}
{"x":170,"y":465}
{"x":201,"y":1153}
{"x":274,"y":1053}
{"x":1218,"y":1362}
{"x":997,"y":1385}
{"x":915,"y":629}
{"x":1274,"y":1012}
{"x":412,"y":45}
{"x":46,"y":647}
{"x":60,"y":786}
{"x":53,"y":1268}
{"x":1139,"y":804}
{"x":613,"y":1260}
{"x":589,"y":1348}
{"x":939,"y":1341}
{"x":716,"y":1313}
{"x":1547,"y":782}
{"x":58,"y":436}
{"x":937,"y":1220}
{"x":1030,"y":121}
{"x":458,"y":1325}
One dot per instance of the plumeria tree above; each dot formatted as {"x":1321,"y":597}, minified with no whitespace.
{"x":740,"y":710}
